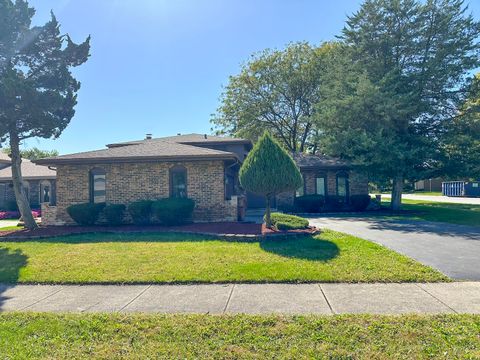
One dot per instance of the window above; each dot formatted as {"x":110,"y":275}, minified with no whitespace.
{"x":342,"y":185}
{"x":45,"y":194}
{"x":301,"y":190}
{"x":98,"y":182}
{"x":321,"y":185}
{"x":178,"y":182}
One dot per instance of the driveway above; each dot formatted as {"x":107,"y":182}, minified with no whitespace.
{"x":443,"y":199}
{"x":452,"y":249}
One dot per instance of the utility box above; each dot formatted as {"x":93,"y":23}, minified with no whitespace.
{"x":461,"y":188}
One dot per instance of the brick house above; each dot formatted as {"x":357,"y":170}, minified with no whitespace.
{"x":202,"y":167}
{"x":39,"y":183}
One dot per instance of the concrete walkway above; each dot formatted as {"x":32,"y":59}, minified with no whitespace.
{"x":462,"y":297}
{"x":444,"y":199}
{"x":8,"y":223}
{"x":452,"y":249}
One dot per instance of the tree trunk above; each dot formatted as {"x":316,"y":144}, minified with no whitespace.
{"x":396,"y":203}
{"x":268,"y":219}
{"x":22,"y":201}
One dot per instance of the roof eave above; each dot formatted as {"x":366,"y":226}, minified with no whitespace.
{"x":128,"y":159}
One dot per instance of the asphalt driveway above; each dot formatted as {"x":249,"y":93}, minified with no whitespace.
{"x":452,"y":249}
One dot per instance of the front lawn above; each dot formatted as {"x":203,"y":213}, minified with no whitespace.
{"x":164,"y":258}
{"x":462,"y":214}
{"x":115,"y":336}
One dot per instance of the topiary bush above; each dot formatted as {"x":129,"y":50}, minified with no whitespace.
{"x":141,"y":212}
{"x":85,"y":214}
{"x":360,"y":202}
{"x":310,"y":203}
{"x":173,"y":211}
{"x":114,"y":213}
{"x":288,"y":222}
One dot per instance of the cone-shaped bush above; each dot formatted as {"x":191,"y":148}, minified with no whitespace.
{"x":269,"y":170}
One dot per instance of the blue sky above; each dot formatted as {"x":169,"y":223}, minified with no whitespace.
{"x":158,"y":66}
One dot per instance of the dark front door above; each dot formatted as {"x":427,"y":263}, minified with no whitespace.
{"x":255,"y":201}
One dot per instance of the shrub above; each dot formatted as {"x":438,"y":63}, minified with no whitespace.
{"x":85,"y":214}
{"x":360,"y":202}
{"x":173,"y":211}
{"x":288,"y":222}
{"x":141,"y":212}
{"x":335,"y":203}
{"x":310,"y":203}
{"x":7,"y":215}
{"x":11,"y":205}
{"x":114,"y":214}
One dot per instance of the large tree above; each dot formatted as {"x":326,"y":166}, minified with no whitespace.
{"x":269,"y":170}
{"x":37,"y":89}
{"x":396,"y":85}
{"x":461,"y":142}
{"x":275,"y":91}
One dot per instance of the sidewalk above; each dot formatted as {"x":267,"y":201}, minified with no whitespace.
{"x":459,"y":297}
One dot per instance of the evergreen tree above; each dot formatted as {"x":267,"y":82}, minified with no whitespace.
{"x":397,"y":84}
{"x":269,"y":170}
{"x":37,"y":89}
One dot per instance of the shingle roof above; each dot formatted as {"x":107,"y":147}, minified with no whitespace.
{"x":4,"y":158}
{"x":188,"y":139}
{"x":149,"y":150}
{"x":30,"y":171}
{"x":306,"y":161}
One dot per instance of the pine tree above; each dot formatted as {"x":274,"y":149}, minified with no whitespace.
{"x":269,"y":170}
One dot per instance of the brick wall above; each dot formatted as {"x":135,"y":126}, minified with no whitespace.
{"x":128,"y":182}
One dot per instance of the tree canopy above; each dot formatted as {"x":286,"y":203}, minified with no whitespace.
{"x":34,"y":153}
{"x":393,"y":94}
{"x":37,"y":90}
{"x":275,"y":91}
{"x":269,"y":170}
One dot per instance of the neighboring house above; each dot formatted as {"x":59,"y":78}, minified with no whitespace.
{"x":202,"y":167}
{"x":39,"y":183}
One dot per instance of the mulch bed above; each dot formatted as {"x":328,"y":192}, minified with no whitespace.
{"x":223,"y":229}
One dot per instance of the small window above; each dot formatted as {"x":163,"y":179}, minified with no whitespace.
{"x":98,"y":188}
{"x":342,"y":185}
{"x":178,"y":182}
{"x":45,"y":194}
{"x":321,"y":185}
{"x":301,"y":190}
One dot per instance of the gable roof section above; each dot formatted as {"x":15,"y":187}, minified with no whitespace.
{"x":144,"y":151}
{"x":312,"y":162}
{"x":188,"y":139}
{"x":30,"y":171}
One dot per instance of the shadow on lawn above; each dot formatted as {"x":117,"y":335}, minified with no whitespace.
{"x":10,"y":264}
{"x":306,"y":248}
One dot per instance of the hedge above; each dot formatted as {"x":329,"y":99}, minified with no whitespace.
{"x":85,"y":214}
{"x":173,"y":211}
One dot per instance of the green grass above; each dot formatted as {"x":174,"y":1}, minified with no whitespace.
{"x":116,"y":336}
{"x":288,"y":222}
{"x":462,"y":214}
{"x":8,"y":228}
{"x":163,"y":258}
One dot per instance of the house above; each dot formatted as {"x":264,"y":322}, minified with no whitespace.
{"x":202,"y":167}
{"x":39,"y":183}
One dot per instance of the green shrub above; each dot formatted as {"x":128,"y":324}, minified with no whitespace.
{"x":360,"y":202}
{"x":310,"y":203}
{"x":173,"y":211}
{"x":335,"y":203}
{"x":85,"y":214}
{"x":141,"y":212}
{"x":114,"y":214}
{"x":11,"y":205}
{"x":288,"y":222}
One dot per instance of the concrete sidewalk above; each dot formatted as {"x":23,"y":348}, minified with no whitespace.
{"x":443,"y":199}
{"x":459,"y":297}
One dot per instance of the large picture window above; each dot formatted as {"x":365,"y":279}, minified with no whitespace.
{"x":342,"y":186}
{"x":98,"y":186}
{"x":178,"y":182}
